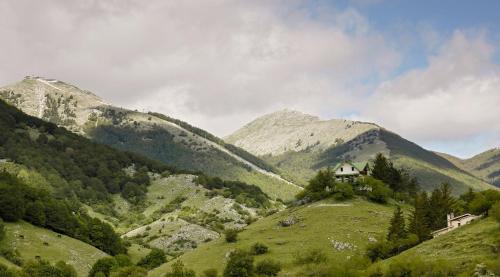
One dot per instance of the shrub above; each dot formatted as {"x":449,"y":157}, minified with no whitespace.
{"x":154,"y":259}
{"x":45,"y":269}
{"x":494,"y":212}
{"x":2,"y":230}
{"x":5,"y":272}
{"x":212,"y":272}
{"x":343,"y":191}
{"x":231,"y":235}
{"x":268,"y":268}
{"x":130,"y":271}
{"x":179,"y":270}
{"x":259,"y":249}
{"x":12,"y":256}
{"x":312,"y":256}
{"x":103,"y":266}
{"x":240,"y":264}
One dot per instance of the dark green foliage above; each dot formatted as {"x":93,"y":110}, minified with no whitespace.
{"x":212,"y":272}
{"x":179,"y":270}
{"x":12,"y":256}
{"x":259,"y":249}
{"x":384,"y":249}
{"x":417,"y":268}
{"x":103,"y":266}
{"x":88,"y":170}
{"x":2,"y":230}
{"x":154,"y":259}
{"x":5,"y":272}
{"x":249,"y":195}
{"x":343,"y":191}
{"x":231,"y":235}
{"x":45,"y":269}
{"x":399,"y":180}
{"x":134,"y":193}
{"x":311,"y":256}
{"x":419,"y":221}
{"x":43,"y":210}
{"x":440,"y":204}
{"x":397,"y":229}
{"x":375,"y":190}
{"x":481,"y":202}
{"x":268,"y":267}
{"x":240,"y":264}
{"x":131,"y":271}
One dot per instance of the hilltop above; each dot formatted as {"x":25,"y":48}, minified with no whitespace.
{"x":171,"y":141}
{"x":298,"y":144}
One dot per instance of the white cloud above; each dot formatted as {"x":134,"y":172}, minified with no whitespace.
{"x":197,"y":60}
{"x":454,"y":99}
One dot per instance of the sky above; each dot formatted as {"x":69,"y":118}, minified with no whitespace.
{"x":427,"y":70}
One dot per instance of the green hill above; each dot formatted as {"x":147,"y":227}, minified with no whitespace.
{"x":462,"y":249}
{"x":169,"y":140}
{"x":321,"y":225}
{"x":32,"y":241}
{"x":298,"y":145}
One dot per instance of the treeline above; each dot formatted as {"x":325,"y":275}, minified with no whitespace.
{"x":19,"y":201}
{"x":243,"y":193}
{"x":74,"y":165}
{"x":234,"y":149}
{"x":39,"y":268}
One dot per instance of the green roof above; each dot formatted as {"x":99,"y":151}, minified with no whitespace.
{"x":358,"y":165}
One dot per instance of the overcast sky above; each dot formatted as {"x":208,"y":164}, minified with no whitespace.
{"x":428,"y":71}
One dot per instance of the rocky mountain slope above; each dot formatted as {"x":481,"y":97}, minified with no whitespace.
{"x":299,"y":144}
{"x":171,"y":141}
{"x":485,"y":165}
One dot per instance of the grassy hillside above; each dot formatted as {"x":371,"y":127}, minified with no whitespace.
{"x":318,"y":226}
{"x":50,"y":246}
{"x":485,"y":165}
{"x":462,"y":248}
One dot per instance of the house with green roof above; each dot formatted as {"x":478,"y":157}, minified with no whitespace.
{"x":350,"y":171}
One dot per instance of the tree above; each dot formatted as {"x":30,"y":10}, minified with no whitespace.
{"x":240,"y":264}
{"x":35,"y":213}
{"x":45,"y":269}
{"x":419,"y":224}
{"x":259,"y":249}
{"x":268,"y":267}
{"x":154,"y":259}
{"x":130,"y":271}
{"x":397,"y":230}
{"x":179,"y":270}
{"x":381,"y":167}
{"x":103,"y":266}
{"x":12,"y":202}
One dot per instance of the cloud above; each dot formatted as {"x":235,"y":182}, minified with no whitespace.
{"x":208,"y":62}
{"x":453,"y":100}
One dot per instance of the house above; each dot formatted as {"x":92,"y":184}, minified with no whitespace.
{"x":455,"y":222}
{"x":349,"y":171}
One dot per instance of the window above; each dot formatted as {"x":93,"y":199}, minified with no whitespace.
{"x":352,"y":168}
{"x":341,"y":169}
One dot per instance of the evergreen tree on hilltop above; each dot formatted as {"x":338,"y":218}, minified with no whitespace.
{"x":440,"y":204}
{"x":380,"y":167}
{"x":419,"y":224}
{"x":397,"y":230}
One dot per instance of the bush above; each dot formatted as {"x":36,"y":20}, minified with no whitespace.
{"x":179,"y":270}
{"x":268,"y":268}
{"x":494,"y":211}
{"x":212,"y":272}
{"x":103,"y":266}
{"x":2,"y":230}
{"x":376,"y":190}
{"x":343,"y":191}
{"x":231,"y":235}
{"x":45,"y":269}
{"x":12,"y":256}
{"x":259,"y":249}
{"x":240,"y":264}
{"x":5,"y":272}
{"x":312,"y":256}
{"x":130,"y":271}
{"x":154,"y":259}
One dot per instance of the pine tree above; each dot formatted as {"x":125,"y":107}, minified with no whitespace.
{"x":397,"y":230}
{"x":380,"y":167}
{"x":419,"y":224}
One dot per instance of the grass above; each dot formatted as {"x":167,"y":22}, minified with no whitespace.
{"x":318,"y":224}
{"x":79,"y":254}
{"x":462,"y":248}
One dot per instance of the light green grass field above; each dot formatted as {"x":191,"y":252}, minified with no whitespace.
{"x":319,"y":224}
{"x":74,"y":252}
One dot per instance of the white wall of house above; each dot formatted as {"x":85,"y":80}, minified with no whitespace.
{"x":346,"y":169}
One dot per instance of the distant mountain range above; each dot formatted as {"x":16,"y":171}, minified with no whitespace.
{"x":157,"y":136}
{"x":298,"y":144}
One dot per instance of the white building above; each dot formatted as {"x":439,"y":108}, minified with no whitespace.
{"x":455,"y":222}
{"x":349,"y":171}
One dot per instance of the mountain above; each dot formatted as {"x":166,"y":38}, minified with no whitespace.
{"x":299,"y":144}
{"x":485,"y":165}
{"x":171,"y":141}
